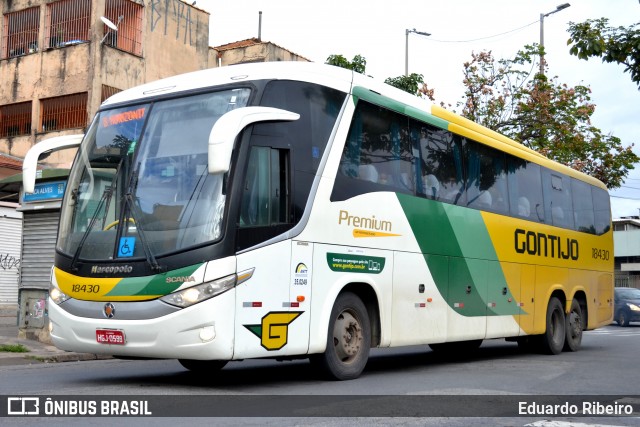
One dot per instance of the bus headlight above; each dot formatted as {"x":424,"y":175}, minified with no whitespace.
{"x":57,"y":295}
{"x":195,"y":294}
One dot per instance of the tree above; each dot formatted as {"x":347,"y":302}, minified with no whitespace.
{"x":410,"y":83}
{"x":594,"y":38}
{"x":358,"y":64}
{"x":510,"y":97}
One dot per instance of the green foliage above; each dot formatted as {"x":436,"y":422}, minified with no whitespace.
{"x":358,"y":64}
{"x":410,"y":83}
{"x":542,"y":114}
{"x":594,"y":38}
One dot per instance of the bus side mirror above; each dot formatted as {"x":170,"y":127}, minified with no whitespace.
{"x":228,"y":127}
{"x":48,"y":146}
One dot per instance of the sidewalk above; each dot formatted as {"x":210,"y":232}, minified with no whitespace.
{"x":39,"y":352}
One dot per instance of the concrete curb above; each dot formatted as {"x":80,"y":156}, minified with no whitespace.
{"x":39,"y":352}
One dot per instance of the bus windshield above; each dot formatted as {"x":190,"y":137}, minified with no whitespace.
{"x":140,"y":186}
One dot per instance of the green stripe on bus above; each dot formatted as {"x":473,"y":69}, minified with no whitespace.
{"x":153,"y":285}
{"x":460,"y":255}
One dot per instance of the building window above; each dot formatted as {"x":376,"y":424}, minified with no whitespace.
{"x":20,"y":35}
{"x":15,"y":119}
{"x":127,"y":16}
{"x":63,"y":112}
{"x":67,"y":23}
{"x":108,"y":91}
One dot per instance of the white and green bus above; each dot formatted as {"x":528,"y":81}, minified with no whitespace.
{"x":287,"y":210}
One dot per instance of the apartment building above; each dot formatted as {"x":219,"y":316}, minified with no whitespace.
{"x":60,"y":59}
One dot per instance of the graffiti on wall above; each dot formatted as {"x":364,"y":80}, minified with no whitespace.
{"x":7,"y":262}
{"x":164,"y":12}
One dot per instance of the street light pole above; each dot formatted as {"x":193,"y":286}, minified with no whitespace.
{"x":406,"y":48}
{"x":542,"y":16}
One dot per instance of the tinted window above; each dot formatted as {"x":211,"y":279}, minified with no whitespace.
{"x":558,"y":206}
{"x":486,"y":178}
{"x":525,"y":190}
{"x":583,"y":206}
{"x":307,"y":137}
{"x":387,"y":151}
{"x":601,"y":209}
{"x":378,"y":154}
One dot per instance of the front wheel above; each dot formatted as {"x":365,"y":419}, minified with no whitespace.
{"x":574,"y":327}
{"x":552,"y":341}
{"x":622,"y":318}
{"x":203,"y":366}
{"x":348,"y":340}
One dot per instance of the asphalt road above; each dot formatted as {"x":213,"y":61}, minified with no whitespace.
{"x":605,"y":367}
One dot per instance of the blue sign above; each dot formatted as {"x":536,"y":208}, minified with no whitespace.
{"x":46,"y":191}
{"x":126,"y":247}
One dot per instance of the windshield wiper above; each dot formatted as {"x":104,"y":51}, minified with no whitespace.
{"x":106,"y":195}
{"x":148,"y":253}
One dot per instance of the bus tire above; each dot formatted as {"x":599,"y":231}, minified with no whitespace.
{"x":574,"y":327}
{"x":348,"y":340}
{"x":203,"y":366}
{"x":552,"y":341}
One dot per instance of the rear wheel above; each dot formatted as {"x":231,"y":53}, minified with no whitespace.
{"x":348,"y":340}
{"x":203,"y":366}
{"x":552,"y":341}
{"x":574,"y":327}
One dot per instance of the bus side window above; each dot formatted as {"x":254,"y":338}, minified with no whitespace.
{"x":486,"y":178}
{"x":601,"y":210}
{"x":558,"y":203}
{"x":525,"y":189}
{"x":583,"y":206}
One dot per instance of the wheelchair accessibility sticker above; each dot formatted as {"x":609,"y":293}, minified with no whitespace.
{"x":126,"y":247}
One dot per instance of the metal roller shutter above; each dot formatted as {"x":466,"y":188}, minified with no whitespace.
{"x":10,"y":241}
{"x":38,"y":249}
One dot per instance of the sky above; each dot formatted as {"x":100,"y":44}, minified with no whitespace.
{"x":376,"y":29}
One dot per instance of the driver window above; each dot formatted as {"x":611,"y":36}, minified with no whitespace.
{"x":265,"y":192}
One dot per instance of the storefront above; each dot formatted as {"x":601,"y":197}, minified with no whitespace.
{"x":40,"y":216}
{"x":10,"y":245}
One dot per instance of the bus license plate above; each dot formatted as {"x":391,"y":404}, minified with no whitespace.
{"x":110,"y":336}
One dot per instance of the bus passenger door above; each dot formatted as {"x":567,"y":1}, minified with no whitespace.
{"x":264,"y":311}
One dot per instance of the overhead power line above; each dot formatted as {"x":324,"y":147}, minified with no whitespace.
{"x":484,"y":38}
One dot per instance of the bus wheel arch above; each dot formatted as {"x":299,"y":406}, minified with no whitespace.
{"x":368,"y":296}
{"x":350,"y":333}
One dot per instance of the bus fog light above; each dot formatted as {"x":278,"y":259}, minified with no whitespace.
{"x":199,"y":293}
{"x":207,"y":333}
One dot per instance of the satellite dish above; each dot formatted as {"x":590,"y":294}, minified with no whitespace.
{"x":108,"y":23}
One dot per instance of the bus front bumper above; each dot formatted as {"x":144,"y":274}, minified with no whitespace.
{"x":203,"y":331}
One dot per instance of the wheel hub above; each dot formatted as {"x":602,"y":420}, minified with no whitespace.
{"x":347,"y":336}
